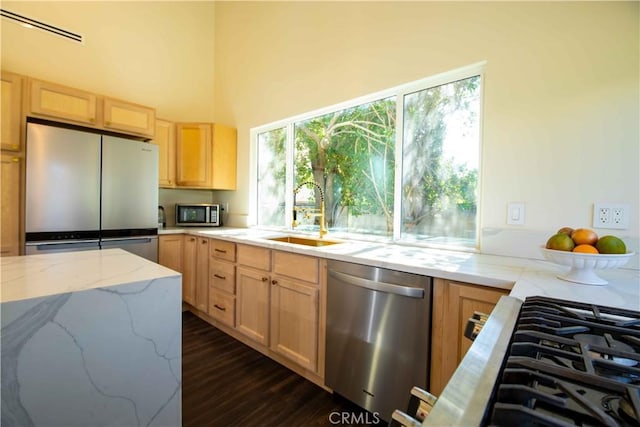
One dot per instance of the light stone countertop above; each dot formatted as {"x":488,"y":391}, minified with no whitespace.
{"x":523,"y":276}
{"x":26,"y":277}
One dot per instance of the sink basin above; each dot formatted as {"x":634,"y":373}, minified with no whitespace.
{"x":306,"y":241}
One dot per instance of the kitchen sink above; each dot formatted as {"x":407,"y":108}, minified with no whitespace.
{"x":306,"y":241}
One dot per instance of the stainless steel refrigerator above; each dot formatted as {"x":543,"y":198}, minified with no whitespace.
{"x":86,"y":190}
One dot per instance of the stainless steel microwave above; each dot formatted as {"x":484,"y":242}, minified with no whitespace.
{"x":199,"y":214}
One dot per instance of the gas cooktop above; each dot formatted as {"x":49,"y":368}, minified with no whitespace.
{"x":568,"y":364}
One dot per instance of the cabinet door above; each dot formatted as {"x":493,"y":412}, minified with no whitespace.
{"x":10,"y":215}
{"x":170,"y":251}
{"x":193,"y":154}
{"x":11,"y":111}
{"x":165,"y":139}
{"x":224,"y":157}
{"x":252,"y":304}
{"x":294,"y":321}
{"x":202,"y":275}
{"x":61,"y":102}
{"x":129,"y":118}
{"x":453,"y":304}
{"x":189,"y":268}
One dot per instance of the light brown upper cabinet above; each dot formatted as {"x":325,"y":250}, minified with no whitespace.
{"x":165,"y":139}
{"x":64,"y":103}
{"x":122,"y":116}
{"x":11,"y":111}
{"x":193,"y":154}
{"x":71,"y":105}
{"x":206,"y":156}
{"x":224,"y":157}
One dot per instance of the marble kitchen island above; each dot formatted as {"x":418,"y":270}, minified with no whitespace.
{"x":90,"y":338}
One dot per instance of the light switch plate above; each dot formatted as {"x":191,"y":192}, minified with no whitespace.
{"x":515,"y":213}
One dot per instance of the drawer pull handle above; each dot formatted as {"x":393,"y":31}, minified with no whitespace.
{"x":264,"y":279}
{"x":274,"y":282}
{"x":219,"y":307}
{"x":217,"y":276}
{"x":222,"y":251}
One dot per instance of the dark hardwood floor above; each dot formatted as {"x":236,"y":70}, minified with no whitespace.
{"x":226,"y":383}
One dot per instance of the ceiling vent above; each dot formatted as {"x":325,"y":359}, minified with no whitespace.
{"x":32,"y":23}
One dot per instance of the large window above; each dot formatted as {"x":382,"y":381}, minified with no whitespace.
{"x":400,"y":165}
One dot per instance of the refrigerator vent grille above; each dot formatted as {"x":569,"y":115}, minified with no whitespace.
{"x":32,"y":23}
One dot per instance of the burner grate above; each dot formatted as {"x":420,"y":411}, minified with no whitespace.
{"x":570,"y":364}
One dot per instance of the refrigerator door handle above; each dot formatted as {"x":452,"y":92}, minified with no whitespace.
{"x":128,"y":239}
{"x":46,"y":246}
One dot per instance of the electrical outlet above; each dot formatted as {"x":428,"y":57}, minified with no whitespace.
{"x":604,"y":215}
{"x":610,"y":215}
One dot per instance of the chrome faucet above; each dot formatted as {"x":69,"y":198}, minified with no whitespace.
{"x":309,"y":213}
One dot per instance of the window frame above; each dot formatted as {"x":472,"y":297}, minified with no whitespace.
{"x":476,"y":69}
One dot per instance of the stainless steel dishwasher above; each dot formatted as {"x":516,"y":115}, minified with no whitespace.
{"x":378,"y":335}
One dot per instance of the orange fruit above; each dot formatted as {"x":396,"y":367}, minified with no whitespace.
{"x":560,"y":242}
{"x":584,"y":236}
{"x":611,"y":245}
{"x":585,"y":249}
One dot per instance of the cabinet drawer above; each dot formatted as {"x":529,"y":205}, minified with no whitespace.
{"x":296,"y":266}
{"x":255,"y":257}
{"x":223,"y":250}
{"x":222,"y":307}
{"x":223,"y":276}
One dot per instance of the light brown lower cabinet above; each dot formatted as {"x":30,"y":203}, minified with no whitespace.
{"x":11,"y":168}
{"x":252,"y":305}
{"x":202,"y":274}
{"x":170,"y":251}
{"x":453,"y":304}
{"x":189,"y":268}
{"x":278,"y":302}
{"x":294,"y":321}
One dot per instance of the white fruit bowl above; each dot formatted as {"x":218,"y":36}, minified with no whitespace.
{"x":582,"y":265}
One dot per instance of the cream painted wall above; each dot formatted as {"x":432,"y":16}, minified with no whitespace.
{"x":561,"y":100}
{"x":154,"y":53}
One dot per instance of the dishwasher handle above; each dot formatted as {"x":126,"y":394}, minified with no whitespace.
{"x":406,"y":291}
